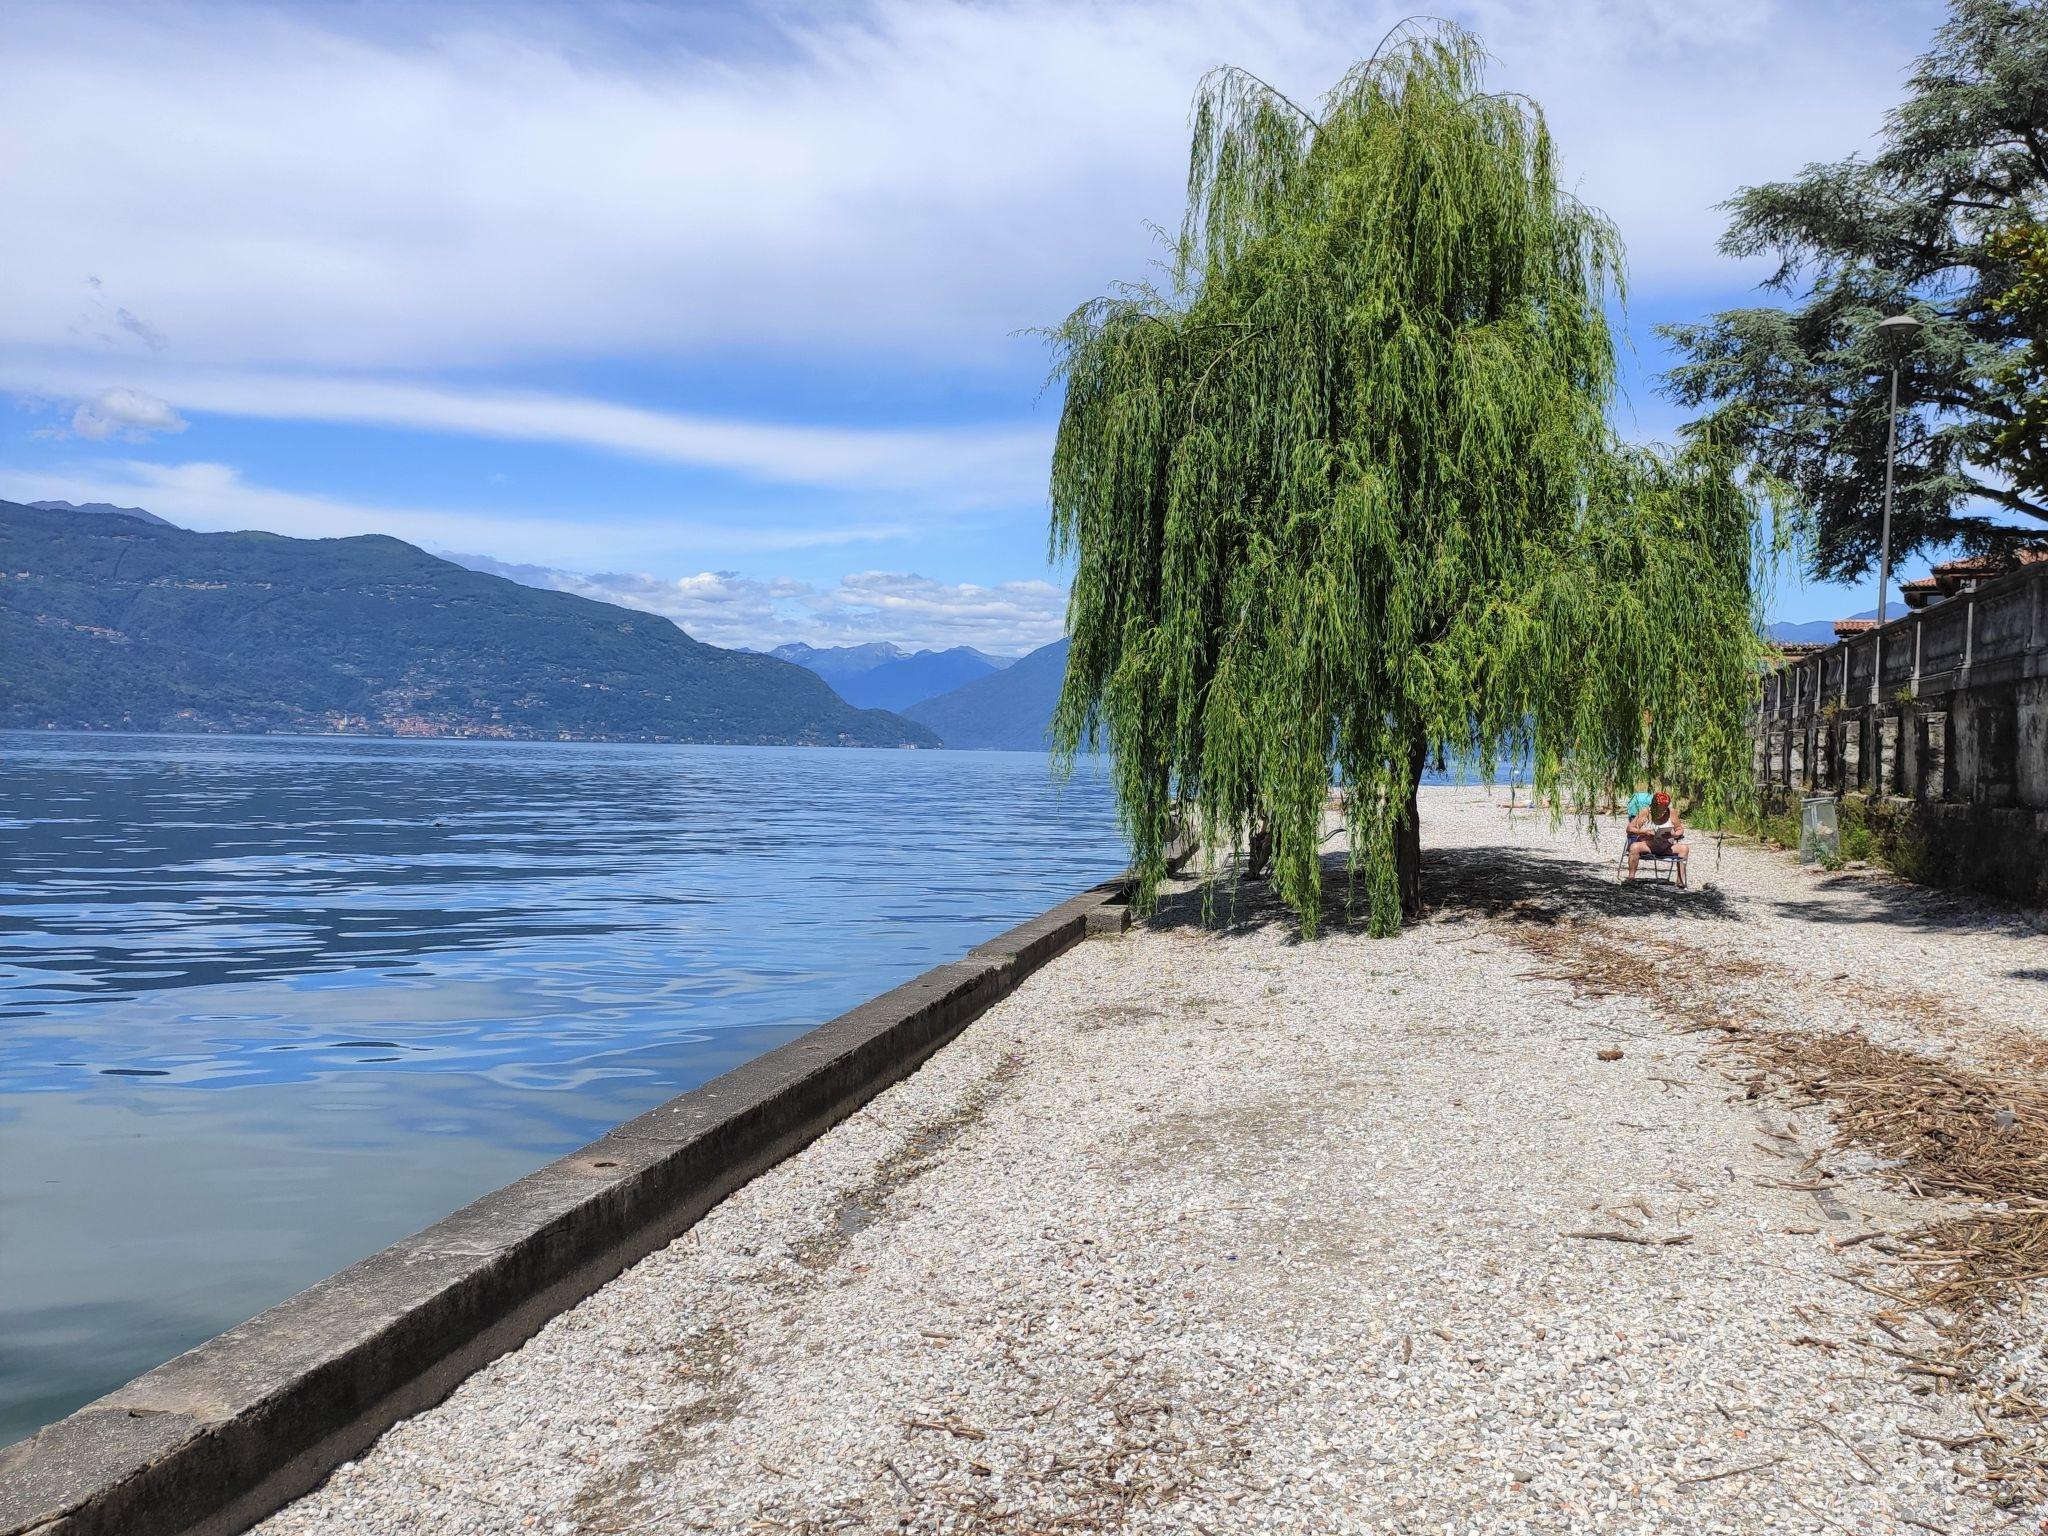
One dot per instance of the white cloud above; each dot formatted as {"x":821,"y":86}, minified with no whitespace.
{"x":1012,"y":616}
{"x":216,"y":498}
{"x":126,"y":413}
{"x":727,"y":608}
{"x":900,"y":180}
{"x":970,"y":465}
{"x":718,"y":607}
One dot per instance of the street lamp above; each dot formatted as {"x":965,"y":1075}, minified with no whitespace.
{"x":1899,"y":331}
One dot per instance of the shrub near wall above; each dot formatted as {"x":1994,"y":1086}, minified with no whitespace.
{"x":1894,"y":834}
{"x":1983,"y":848}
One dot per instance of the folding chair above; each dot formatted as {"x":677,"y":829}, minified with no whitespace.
{"x":1662,"y":868}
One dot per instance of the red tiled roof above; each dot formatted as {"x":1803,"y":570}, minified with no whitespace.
{"x":1854,"y":626}
{"x":1922,"y":593}
{"x":1998,"y":563}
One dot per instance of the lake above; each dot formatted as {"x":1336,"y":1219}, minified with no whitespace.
{"x":269,"y":1004}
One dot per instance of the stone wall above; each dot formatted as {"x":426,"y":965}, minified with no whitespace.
{"x":1939,"y":723}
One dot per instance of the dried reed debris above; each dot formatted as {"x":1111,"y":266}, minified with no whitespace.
{"x":1937,"y":1128}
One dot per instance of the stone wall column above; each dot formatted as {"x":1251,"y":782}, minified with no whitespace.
{"x":2030,"y":765}
{"x":1962,"y":742}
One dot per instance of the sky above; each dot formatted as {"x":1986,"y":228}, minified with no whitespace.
{"x":729,"y":310}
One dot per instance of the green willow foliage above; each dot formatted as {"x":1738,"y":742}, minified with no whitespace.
{"x":1345,"y":495}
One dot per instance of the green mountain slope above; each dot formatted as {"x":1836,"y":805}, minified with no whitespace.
{"x":101,"y":509}
{"x":114,"y":623}
{"x":1010,"y":710}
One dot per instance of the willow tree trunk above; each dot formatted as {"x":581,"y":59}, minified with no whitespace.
{"x":1408,"y":836}
{"x":1260,"y":853}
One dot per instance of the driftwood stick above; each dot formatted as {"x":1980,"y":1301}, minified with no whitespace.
{"x":1632,"y":1237}
{"x":1715,"y":1477}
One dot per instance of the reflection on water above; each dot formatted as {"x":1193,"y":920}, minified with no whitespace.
{"x":267,"y":1005}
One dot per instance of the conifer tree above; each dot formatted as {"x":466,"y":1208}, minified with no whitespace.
{"x":1342,"y":494}
{"x":1946,"y":222}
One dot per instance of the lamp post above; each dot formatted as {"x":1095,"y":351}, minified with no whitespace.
{"x":1898,"y":331}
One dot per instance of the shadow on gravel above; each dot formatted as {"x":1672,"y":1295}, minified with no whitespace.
{"x":1458,"y":885}
{"x":1850,"y":898}
{"x":1538,"y":886}
{"x":1235,"y":906}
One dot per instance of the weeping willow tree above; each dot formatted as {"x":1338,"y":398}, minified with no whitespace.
{"x":1342,"y":494}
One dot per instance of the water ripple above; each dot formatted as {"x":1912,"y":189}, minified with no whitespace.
{"x":267,"y":1005}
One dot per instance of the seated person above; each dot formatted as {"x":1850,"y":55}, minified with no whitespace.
{"x":1657,"y":831}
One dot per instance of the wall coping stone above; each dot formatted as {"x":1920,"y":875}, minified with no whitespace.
{"x":214,"y":1440}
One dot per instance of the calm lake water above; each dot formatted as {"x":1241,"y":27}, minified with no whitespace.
{"x":269,"y":1004}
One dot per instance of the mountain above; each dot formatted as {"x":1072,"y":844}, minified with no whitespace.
{"x":912,"y":679}
{"x":882,"y":675}
{"x":836,"y":663}
{"x":115,"y":623}
{"x":1815,"y":631}
{"x":1010,"y":710}
{"x":877,"y":675}
{"x":102,"y":509}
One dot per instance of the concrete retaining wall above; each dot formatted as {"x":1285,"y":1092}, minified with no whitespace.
{"x":221,"y":1436}
{"x":1939,"y":720}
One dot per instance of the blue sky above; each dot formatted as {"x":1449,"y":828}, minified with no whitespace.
{"x":725,"y":307}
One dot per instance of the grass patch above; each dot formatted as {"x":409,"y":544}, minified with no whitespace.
{"x":1867,"y":833}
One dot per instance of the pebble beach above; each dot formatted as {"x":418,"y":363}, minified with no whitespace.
{"x":1489,"y":1227}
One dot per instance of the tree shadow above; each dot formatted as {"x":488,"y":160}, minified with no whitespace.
{"x":1458,"y":885}
{"x":1220,"y":903}
{"x":1900,"y":904}
{"x":1534,"y":885}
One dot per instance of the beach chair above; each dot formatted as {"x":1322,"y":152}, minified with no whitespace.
{"x":1657,"y":868}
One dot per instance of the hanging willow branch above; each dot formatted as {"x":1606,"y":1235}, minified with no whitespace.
{"x":1345,"y":495}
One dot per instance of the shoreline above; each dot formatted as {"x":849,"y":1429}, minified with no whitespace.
{"x":216,"y":1438}
{"x":280,"y":1004}
{"x":1196,"y":1227}
{"x":1210,"y":1230}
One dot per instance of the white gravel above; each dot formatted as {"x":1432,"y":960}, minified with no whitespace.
{"x":1216,"y":1231}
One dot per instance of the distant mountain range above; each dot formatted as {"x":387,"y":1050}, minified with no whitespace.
{"x":1817,"y":631}
{"x":959,"y":697}
{"x":837,"y":663}
{"x":881,"y":675}
{"x":155,"y":628}
{"x":126,"y":622}
{"x":877,"y":675}
{"x":1010,"y":710}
